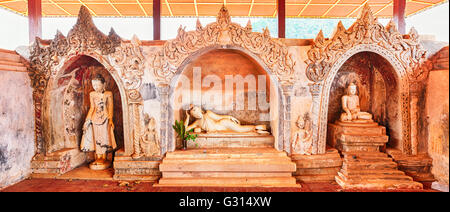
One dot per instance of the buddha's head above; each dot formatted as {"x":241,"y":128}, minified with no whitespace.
{"x":351,"y":89}
{"x":98,"y":83}
{"x":196,"y":112}
{"x":301,"y":122}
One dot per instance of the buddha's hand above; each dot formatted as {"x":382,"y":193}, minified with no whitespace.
{"x":349,"y":116}
{"x":234,"y":120}
{"x":86,"y":124}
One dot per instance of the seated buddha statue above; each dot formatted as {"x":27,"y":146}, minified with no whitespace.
{"x":211,"y":122}
{"x":350,"y":105}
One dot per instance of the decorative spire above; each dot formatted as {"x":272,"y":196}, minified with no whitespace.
{"x":224,"y":16}
{"x":366,"y":15}
{"x":340,"y":28}
{"x":199,"y":26}
{"x":249,"y":25}
{"x":320,"y":39}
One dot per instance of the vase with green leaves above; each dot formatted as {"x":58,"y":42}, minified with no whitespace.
{"x":184,"y":135}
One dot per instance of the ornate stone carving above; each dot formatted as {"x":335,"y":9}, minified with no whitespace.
{"x":46,"y":56}
{"x":366,"y":30}
{"x":129,"y":57}
{"x":222,"y":33}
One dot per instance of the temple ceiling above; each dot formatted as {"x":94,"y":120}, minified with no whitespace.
{"x":241,"y":8}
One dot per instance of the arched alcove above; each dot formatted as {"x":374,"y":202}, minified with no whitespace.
{"x":66,"y":103}
{"x":378,"y":91}
{"x":206,"y":77}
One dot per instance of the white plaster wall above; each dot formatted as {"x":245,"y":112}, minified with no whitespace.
{"x":16,"y":127}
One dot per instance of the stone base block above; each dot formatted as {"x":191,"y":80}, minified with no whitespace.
{"x":372,"y":170}
{"x":142,"y":169}
{"x":232,"y":167}
{"x":416,"y":166}
{"x":59,"y":162}
{"x":363,"y":137}
{"x":317,"y":168}
{"x":232,"y":141}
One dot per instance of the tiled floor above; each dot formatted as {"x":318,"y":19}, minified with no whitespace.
{"x":61,"y":185}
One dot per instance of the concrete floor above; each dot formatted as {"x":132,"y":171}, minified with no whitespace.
{"x":69,"y":185}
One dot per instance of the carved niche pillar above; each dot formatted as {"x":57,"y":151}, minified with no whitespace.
{"x":165,"y":125}
{"x":317,"y":146}
{"x":285,"y":127}
{"x":414,"y":92}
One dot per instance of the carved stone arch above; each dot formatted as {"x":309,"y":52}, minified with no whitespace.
{"x":270,"y":53}
{"x":123,"y":59}
{"x":282,"y":99}
{"x":404,"y":52}
{"x":68,"y":60}
{"x":402,"y":87}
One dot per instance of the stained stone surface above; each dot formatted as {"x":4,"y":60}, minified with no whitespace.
{"x":16,"y":126}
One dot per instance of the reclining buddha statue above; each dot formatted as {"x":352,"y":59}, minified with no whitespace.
{"x":350,"y":105}
{"x":211,"y":122}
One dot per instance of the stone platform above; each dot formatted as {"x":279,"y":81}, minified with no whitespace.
{"x":317,"y":168}
{"x":417,"y":166}
{"x":232,"y":140}
{"x":58,"y":163}
{"x":367,"y":137}
{"x":364,"y":166}
{"x":228,"y":167}
{"x":142,"y":169}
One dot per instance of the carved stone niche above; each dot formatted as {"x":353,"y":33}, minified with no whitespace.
{"x":378,"y":92}
{"x":326,"y":56}
{"x":59,"y":70}
{"x":268,"y":53}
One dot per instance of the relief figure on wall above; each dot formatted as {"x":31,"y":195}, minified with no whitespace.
{"x":98,"y":129}
{"x":302,"y":139}
{"x":211,"y":122}
{"x":350,"y":105}
{"x":150,"y":139}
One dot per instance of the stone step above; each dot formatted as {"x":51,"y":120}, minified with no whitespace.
{"x":247,"y":166}
{"x":364,"y":139}
{"x":9,"y":55}
{"x":377,"y":184}
{"x":224,"y":174}
{"x":355,"y":178}
{"x":369,"y":165}
{"x":229,"y":160}
{"x":364,"y":154}
{"x":226,"y":153}
{"x":350,"y":172}
{"x":360,"y":129}
{"x":315,"y":178}
{"x":367,"y":160}
{"x":6,"y":67}
{"x":224,"y":141}
{"x":230,"y":182}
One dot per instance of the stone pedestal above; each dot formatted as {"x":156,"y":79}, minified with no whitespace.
{"x":228,"y":167}
{"x":317,"y":168}
{"x":364,"y":166}
{"x":366,"y":137}
{"x":232,"y":140}
{"x":59,"y":162}
{"x":417,"y":166}
{"x":142,"y":169}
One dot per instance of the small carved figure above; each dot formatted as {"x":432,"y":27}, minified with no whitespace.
{"x":150,"y":139}
{"x":302,"y":140}
{"x":350,"y":105}
{"x":98,"y":129}
{"x":211,"y":122}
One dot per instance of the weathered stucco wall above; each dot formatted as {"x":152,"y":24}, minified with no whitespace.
{"x":16,"y":127}
{"x":437,"y":109}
